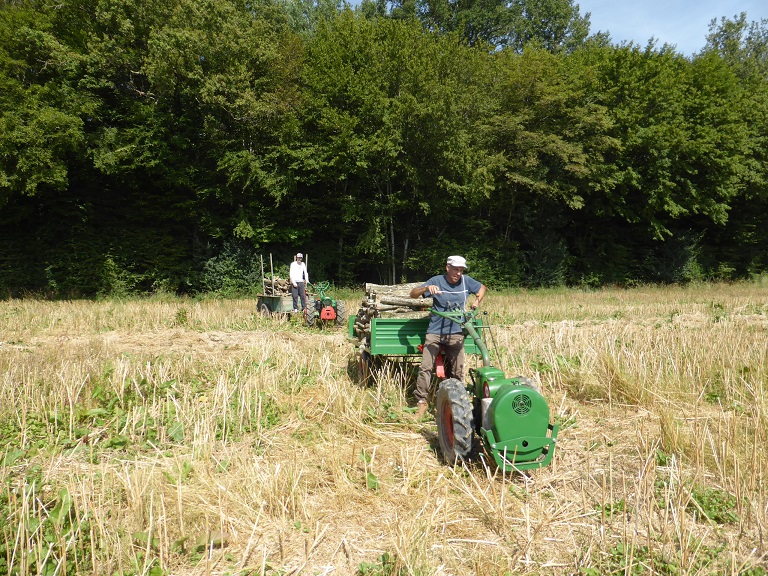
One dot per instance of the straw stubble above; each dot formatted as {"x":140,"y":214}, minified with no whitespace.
{"x":215,"y":441}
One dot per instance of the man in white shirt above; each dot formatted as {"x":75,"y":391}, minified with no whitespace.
{"x":299,"y":278}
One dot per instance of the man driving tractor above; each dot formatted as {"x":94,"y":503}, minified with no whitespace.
{"x":448,"y":291}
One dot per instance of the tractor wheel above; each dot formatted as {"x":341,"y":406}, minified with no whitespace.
{"x":265,"y":311}
{"x":341,"y":313}
{"x":529,"y":383}
{"x":455,"y":426}
{"x":309,"y":315}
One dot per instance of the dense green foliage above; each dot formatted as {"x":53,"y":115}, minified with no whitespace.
{"x":165,"y":145}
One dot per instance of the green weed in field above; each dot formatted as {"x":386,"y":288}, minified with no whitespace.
{"x":387,"y":565}
{"x":59,"y":537}
{"x":611,"y":508}
{"x":717,"y":505}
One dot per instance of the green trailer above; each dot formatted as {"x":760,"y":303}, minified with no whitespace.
{"x":275,"y":299}
{"x":510,"y":415}
{"x":394,"y":339}
{"x":272,"y":305}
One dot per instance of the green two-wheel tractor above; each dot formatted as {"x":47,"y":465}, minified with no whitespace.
{"x":510,"y":415}
{"x":322,"y":308}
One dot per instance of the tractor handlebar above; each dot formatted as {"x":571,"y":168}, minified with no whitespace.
{"x":467,"y":319}
{"x":321,"y":287}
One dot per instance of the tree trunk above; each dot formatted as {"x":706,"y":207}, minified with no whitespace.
{"x":393,"y":276}
{"x":409,"y":302}
{"x":403,"y":290}
{"x":388,"y":301}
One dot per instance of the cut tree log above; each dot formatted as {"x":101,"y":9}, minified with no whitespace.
{"x":388,"y":301}
{"x":409,"y":302}
{"x":377,"y":290}
{"x":276,"y":287}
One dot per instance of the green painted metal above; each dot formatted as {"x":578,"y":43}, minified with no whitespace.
{"x":487,"y":375}
{"x":402,"y":336}
{"x":471,"y":325}
{"x":276,"y":304}
{"x":515,"y":429}
{"x":320,"y":299}
{"x":515,"y":419}
{"x":521,"y":453}
{"x":519,"y":434}
{"x":351,"y":327}
{"x":318,"y":304}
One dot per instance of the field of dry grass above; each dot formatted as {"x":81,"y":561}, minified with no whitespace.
{"x":186,"y":437}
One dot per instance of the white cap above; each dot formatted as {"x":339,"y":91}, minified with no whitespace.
{"x":457,"y":261}
{"x":299,"y":255}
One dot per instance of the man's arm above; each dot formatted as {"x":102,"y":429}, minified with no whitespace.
{"x":424,"y":290}
{"x":480,"y":295}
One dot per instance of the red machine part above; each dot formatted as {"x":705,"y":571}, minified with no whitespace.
{"x":439,"y":362}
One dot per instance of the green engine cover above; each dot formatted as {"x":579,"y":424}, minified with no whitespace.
{"x":518,"y":411}
{"x":488,"y":380}
{"x":516,"y":428}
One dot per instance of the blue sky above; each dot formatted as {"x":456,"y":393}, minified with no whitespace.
{"x":684,"y":23}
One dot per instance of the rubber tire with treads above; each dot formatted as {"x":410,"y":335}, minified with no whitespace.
{"x":265,"y":311}
{"x":341,"y":313}
{"x":455,"y":423}
{"x":309,"y":315}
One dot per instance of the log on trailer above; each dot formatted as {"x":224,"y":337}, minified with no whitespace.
{"x":276,"y":286}
{"x":382,"y":296}
{"x":373,"y":290}
{"x":388,"y":301}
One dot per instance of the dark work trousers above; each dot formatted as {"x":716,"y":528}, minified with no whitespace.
{"x":297,"y":292}
{"x":453,"y":346}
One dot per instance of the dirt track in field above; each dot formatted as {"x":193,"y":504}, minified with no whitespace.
{"x":178,"y":340}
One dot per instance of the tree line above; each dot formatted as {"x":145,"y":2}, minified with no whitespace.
{"x":165,"y":145}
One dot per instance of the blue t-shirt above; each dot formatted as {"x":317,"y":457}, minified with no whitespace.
{"x":449,"y":298}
